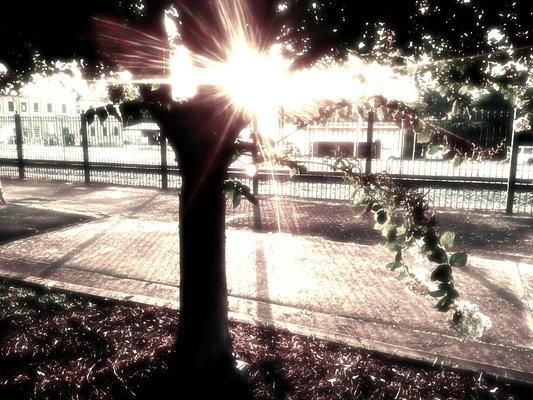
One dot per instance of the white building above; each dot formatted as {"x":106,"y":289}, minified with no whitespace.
{"x":55,"y":121}
{"x":44,"y":106}
{"x":348,"y":139}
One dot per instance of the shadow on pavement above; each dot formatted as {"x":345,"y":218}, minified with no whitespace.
{"x":496,"y":235}
{"x":19,"y":221}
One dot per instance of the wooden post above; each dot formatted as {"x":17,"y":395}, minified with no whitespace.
{"x":369,"y":142}
{"x":511,"y":180}
{"x":19,"y":141}
{"x":85,"y":147}
{"x":164,"y":163}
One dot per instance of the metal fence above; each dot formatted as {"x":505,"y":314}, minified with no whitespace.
{"x":67,"y":148}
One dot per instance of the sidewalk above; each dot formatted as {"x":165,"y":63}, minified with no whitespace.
{"x":323,"y":274}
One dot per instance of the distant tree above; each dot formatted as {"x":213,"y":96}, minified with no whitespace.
{"x":459,"y":49}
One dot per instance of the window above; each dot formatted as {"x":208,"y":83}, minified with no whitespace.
{"x":23,"y":107}
{"x":11,"y":106}
{"x":37,"y":130}
{"x":78,"y":109}
{"x":104,"y":130}
{"x":49,"y":107}
{"x":64,"y":108}
{"x":36,"y":107}
{"x":25,"y":132}
{"x":93,"y":131}
{"x":116,"y":131}
{"x":337,"y":149}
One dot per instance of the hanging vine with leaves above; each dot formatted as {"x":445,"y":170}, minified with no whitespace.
{"x":402,"y":216}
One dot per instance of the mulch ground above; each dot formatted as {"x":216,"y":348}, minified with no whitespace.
{"x":56,"y":345}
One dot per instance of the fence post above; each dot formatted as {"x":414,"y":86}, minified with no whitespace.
{"x":511,"y":180}
{"x":85,"y":147}
{"x":255,"y":182}
{"x":164,"y":163}
{"x":19,"y":141}
{"x":369,"y":142}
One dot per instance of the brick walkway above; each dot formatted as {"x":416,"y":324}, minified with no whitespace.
{"x":323,"y":274}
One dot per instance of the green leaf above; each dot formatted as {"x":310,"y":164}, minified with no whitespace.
{"x":389,"y":232}
{"x":444,"y":303}
{"x":447,"y":239}
{"x":456,"y":107}
{"x":392,"y":246}
{"x":433,"y":149}
{"x":293,"y":172}
{"x":438,"y":256}
{"x":399,"y":257}
{"x":401,"y":230}
{"x":229,"y":186}
{"x":419,"y":125}
{"x":457,"y":161}
{"x":381,"y":217}
{"x":463,"y":90}
{"x":402,"y":276}
{"x":431,"y":240}
{"x":458,"y":260}
{"x":443,"y":273}
{"x":376,"y":207}
{"x":359,"y":197}
{"x":426,"y":249}
{"x":236,"y":199}
{"x":393,"y":265}
{"x":424,"y":136}
{"x":452,"y":293}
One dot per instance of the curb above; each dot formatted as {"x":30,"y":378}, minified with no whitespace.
{"x":242,"y":310}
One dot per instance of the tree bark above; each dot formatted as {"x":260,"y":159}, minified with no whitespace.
{"x":202,"y":135}
{"x":203,"y":335}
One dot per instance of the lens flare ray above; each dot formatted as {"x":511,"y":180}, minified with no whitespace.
{"x":255,"y":77}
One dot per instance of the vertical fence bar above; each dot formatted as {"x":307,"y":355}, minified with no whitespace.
{"x":85,"y":147}
{"x":255,"y":182}
{"x":164,"y":163}
{"x":19,"y":141}
{"x":369,"y":142}
{"x":511,"y":180}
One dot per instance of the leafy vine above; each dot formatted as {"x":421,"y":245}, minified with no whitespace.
{"x":404,"y":219}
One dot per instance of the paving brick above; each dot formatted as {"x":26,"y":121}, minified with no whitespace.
{"x":323,"y":272}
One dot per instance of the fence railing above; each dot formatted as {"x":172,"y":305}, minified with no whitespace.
{"x":67,"y":148}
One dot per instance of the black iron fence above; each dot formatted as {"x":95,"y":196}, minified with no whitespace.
{"x":67,"y":148}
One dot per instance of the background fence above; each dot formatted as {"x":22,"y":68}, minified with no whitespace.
{"x":67,"y":148}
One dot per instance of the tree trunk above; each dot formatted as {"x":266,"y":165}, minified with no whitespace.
{"x":203,"y":335}
{"x":205,"y":360}
{"x":202,"y":135}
